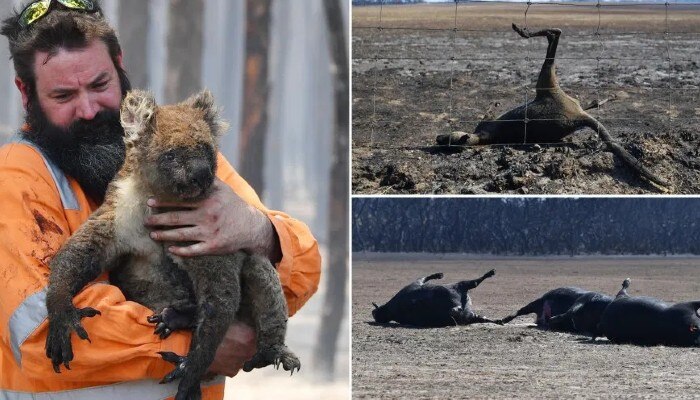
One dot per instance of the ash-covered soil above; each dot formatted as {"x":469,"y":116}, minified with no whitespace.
{"x":417,"y":78}
{"x":516,"y":360}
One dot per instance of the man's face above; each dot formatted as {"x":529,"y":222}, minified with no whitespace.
{"x":76,"y":84}
{"x":74,"y":114}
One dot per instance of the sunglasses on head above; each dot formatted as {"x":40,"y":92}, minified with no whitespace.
{"x":38,"y":9}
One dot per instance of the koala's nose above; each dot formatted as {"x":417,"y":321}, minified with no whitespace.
{"x":202,"y":176}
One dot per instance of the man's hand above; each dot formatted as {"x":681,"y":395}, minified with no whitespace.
{"x":237,"y":347}
{"x":220,"y":224}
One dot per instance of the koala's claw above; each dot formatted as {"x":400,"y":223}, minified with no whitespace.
{"x":191,"y":393}
{"x":276,"y":356}
{"x":58,"y":345}
{"x":170,"y":320}
{"x":184,"y":391}
{"x":180,"y":362}
{"x":162,"y":330}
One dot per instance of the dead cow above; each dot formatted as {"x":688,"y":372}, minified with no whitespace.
{"x":648,"y":321}
{"x":426,"y":304}
{"x":569,"y":309}
{"x":555,"y":302}
{"x":585,"y":314}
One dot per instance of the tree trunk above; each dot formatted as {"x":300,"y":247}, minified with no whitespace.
{"x":133,"y":35}
{"x":336,"y":275}
{"x":184,"y":74}
{"x":255,"y":102}
{"x":10,"y":105}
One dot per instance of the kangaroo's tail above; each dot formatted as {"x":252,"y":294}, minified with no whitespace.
{"x":624,"y":154}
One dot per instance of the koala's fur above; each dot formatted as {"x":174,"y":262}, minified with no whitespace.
{"x":171,"y":155}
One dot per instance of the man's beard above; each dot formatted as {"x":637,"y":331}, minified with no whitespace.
{"x":91,"y":152}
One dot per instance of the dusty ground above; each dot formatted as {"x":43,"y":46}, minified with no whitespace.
{"x":407,"y":89}
{"x":490,"y":361}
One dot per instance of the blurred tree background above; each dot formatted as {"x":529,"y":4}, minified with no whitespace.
{"x":275,"y":69}
{"x":528,"y":226}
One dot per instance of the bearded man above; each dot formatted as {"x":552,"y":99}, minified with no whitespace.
{"x":69,"y":71}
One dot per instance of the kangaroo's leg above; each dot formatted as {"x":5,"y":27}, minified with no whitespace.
{"x":547,"y":81}
{"x":457,"y":138}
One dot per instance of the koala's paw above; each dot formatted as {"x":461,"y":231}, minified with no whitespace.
{"x":181,"y":364}
{"x":137,"y":109}
{"x":276,"y":355}
{"x":189,"y":388}
{"x":58,"y":346}
{"x":170,"y":320}
{"x":139,"y":105}
{"x":192,"y":392}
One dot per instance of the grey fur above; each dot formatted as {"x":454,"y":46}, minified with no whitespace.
{"x":219,"y":290}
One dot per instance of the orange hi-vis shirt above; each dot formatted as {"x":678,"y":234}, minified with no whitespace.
{"x":41,"y":208}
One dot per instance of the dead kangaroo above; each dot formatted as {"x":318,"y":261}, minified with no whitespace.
{"x":551,"y":116}
{"x":171,"y":154}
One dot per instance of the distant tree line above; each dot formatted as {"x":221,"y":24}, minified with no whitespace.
{"x":377,"y":2}
{"x":527,"y":226}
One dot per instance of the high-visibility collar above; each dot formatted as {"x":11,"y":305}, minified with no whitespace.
{"x":68,"y":198}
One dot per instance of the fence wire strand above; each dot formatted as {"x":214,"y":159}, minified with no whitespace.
{"x":452,"y":66}
{"x":598,"y":36}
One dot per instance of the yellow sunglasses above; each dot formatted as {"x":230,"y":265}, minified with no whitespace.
{"x":36,"y":10}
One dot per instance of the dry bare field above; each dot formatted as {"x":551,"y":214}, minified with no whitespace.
{"x":516,"y":360}
{"x":416,"y":78}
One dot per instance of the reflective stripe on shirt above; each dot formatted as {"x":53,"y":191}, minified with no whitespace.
{"x":139,"y":390}
{"x":26,"y":318}
{"x":70,"y":202}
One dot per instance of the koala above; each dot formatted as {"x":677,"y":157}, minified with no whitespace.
{"x":170,"y":154}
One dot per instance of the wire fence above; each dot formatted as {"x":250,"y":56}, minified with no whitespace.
{"x":681,"y":85}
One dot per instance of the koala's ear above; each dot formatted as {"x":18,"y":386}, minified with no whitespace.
{"x":137,"y":111}
{"x":205,"y":101}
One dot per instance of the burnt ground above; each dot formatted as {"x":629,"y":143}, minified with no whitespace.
{"x":407,"y":89}
{"x":516,"y":360}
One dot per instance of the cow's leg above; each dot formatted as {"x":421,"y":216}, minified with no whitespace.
{"x":623,"y":289}
{"x":562,"y":321}
{"x":534,"y":307}
{"x":437,"y":275}
{"x":464,"y":286}
{"x":466,"y":317}
{"x":478,"y":319}
{"x":456,"y":313}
